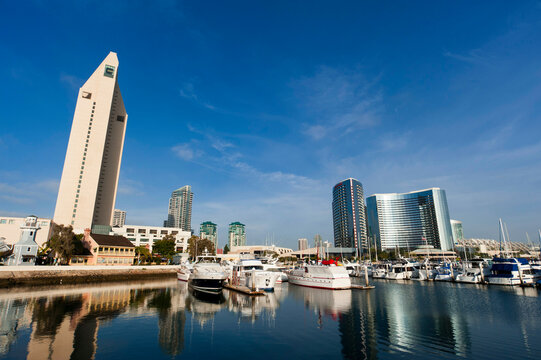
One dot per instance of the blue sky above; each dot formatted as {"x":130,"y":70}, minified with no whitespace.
{"x":263,"y":106}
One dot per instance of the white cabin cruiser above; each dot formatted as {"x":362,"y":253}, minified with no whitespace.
{"x":250,"y":273}
{"x":402,"y":271}
{"x":445,"y":272}
{"x":270,"y":265}
{"x":513,"y":271}
{"x":380,"y":271}
{"x":184,"y":272}
{"x":321,"y":276}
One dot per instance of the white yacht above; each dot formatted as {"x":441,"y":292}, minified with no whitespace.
{"x":402,"y":271}
{"x":425,"y":272}
{"x":473,"y":272}
{"x":207,"y":275}
{"x":513,"y":271}
{"x":380,"y":271}
{"x":184,"y":272}
{"x":250,"y":273}
{"x":321,"y":276}
{"x":271,"y":265}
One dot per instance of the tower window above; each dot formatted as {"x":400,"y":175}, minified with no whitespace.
{"x":87,"y":95}
{"x":120,"y":118}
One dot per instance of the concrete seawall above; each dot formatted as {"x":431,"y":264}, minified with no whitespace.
{"x":55,"y":275}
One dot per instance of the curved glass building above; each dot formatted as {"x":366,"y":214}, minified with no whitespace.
{"x":348,"y":213}
{"x":410,"y":220}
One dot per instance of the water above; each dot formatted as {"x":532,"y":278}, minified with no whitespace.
{"x":162,"y":319}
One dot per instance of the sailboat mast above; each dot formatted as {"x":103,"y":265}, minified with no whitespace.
{"x":500,"y":233}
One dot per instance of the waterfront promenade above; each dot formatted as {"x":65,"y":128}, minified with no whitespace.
{"x":56,"y":275}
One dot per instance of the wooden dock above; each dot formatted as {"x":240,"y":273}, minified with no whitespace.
{"x":244,"y":290}
{"x":362,"y":287}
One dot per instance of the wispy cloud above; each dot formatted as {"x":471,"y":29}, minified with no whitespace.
{"x":73,"y":82}
{"x":474,"y":56}
{"x":188,"y":92}
{"x":338,"y":102}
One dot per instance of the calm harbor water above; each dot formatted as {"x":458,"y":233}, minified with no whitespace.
{"x":163,"y":319}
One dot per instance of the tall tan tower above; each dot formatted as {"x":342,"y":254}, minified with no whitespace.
{"x":90,"y":176}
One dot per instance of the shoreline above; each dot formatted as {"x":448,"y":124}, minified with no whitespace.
{"x":13,"y":276}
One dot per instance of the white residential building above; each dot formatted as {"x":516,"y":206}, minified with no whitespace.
{"x":303,"y":244}
{"x":119,"y":218}
{"x":141,"y":235}
{"x":88,"y":186}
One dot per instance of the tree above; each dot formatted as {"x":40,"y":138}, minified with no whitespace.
{"x":142,"y":253}
{"x":165,"y":246}
{"x":197,"y":246}
{"x":226,"y":248}
{"x":64,"y":243}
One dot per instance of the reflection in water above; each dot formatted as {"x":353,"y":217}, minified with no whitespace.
{"x":414,"y":319}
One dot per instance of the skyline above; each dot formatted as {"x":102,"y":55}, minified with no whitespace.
{"x":263,"y":123}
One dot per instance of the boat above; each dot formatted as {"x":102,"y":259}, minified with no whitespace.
{"x":250,"y":273}
{"x":473,"y":272}
{"x":424,"y":272}
{"x":512,"y":271}
{"x":207,"y":275}
{"x":325,"y":276}
{"x":402,"y":271}
{"x":445,"y":272}
{"x":184,"y":272}
{"x":270,"y":265}
{"x":380,"y":271}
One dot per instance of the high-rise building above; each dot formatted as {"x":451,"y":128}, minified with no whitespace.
{"x":237,"y":234}
{"x":348,"y":213}
{"x":318,"y":240}
{"x":119,"y":218}
{"x":410,"y":220}
{"x":303,"y":244}
{"x":88,"y":186}
{"x":180,"y":208}
{"x":458,"y":231}
{"x":207,"y":230}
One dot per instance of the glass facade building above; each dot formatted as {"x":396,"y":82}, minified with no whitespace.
{"x":237,"y":234}
{"x":410,"y":220}
{"x":458,"y":231}
{"x":348,"y":211}
{"x":207,"y":230}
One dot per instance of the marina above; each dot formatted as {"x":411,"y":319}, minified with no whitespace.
{"x":165,"y":319}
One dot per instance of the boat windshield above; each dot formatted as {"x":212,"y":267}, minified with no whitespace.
{"x":252,"y":267}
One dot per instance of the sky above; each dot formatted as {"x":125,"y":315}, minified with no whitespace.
{"x":262,"y":107}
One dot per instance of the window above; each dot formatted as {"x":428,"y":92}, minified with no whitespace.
{"x":109,"y":71}
{"x":130,"y":230}
{"x":77,"y":200}
{"x":141,"y":231}
{"x":174,"y":232}
{"x":3,"y":221}
{"x":87,"y":95}
{"x":163,"y":232}
{"x":120,"y":118}
{"x":153,"y":231}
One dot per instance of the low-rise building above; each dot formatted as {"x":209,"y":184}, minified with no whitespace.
{"x":26,"y":249}
{"x":140,"y":235}
{"x":10,"y":229}
{"x":259,"y":250}
{"x":105,"y":250}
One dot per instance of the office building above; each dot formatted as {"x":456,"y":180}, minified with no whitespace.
{"x":458,"y":231}
{"x":119,"y":218}
{"x":237,"y":234}
{"x":348,"y":212}
{"x":303,"y":244}
{"x":88,"y":186}
{"x":180,"y":209}
{"x":410,"y":220}
{"x":208,"y":230}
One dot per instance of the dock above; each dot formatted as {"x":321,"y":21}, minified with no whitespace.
{"x":244,"y":289}
{"x":362,"y":287}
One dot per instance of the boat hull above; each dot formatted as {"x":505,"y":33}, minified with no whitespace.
{"x":208,"y":286}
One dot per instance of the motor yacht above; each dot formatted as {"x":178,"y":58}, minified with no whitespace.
{"x":250,"y":273}
{"x":512,"y":271}
{"x":184,"y":272}
{"x":324,"y":276}
{"x":445,"y":272}
{"x":402,"y":271}
{"x":272,"y":266}
{"x":207,"y":275}
{"x":380,"y":271}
